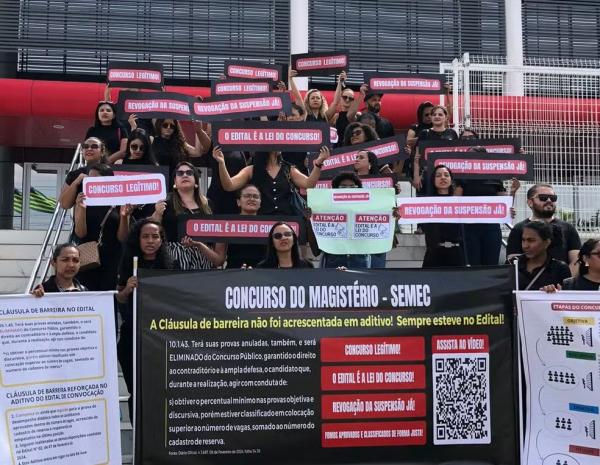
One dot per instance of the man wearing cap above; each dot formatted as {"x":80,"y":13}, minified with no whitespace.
{"x":541,"y":199}
{"x":373,"y":101}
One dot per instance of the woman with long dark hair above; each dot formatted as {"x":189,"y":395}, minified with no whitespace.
{"x":109,"y":130}
{"x":170,"y":146}
{"x":138,"y":150}
{"x":186,"y":199}
{"x":366,"y":163}
{"x":444,"y":241}
{"x":282,"y":249}
{"x":146,"y":241}
{"x":439,"y":131}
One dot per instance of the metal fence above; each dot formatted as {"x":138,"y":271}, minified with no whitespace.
{"x":554,"y":107}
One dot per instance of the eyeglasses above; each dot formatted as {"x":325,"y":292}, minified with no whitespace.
{"x":545,"y":197}
{"x":280,"y":236}
{"x":357,"y":132}
{"x":184,"y":173}
{"x":90,"y":146}
{"x":250,"y":196}
{"x":594,"y":253}
{"x":168,"y":126}
{"x":348,"y":98}
{"x":136,"y":147}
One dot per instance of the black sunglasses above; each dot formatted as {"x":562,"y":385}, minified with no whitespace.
{"x":348,"y":98}
{"x":184,"y":172}
{"x":280,"y":236}
{"x":168,"y":126}
{"x":545,"y":197}
{"x":137,"y":147}
{"x":90,"y":146}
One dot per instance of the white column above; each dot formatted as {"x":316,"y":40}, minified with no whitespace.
{"x":513,"y":84}
{"x":299,"y":33}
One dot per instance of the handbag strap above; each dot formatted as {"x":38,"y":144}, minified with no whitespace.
{"x":102,"y":225}
{"x":532,"y":282}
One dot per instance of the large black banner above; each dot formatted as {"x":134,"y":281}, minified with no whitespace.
{"x":326,"y":367}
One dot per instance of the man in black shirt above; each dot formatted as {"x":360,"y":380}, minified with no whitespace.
{"x":541,"y":199}
{"x":373,"y":101}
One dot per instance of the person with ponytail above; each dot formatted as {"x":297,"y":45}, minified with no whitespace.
{"x":588,"y":277}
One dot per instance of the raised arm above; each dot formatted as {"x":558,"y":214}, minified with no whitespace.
{"x":68,"y":195}
{"x":239,"y":180}
{"x":294,"y":89}
{"x":358,"y":101}
{"x":337,"y":97}
{"x":307,"y":182}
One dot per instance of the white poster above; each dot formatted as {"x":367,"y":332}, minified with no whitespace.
{"x":120,"y":190}
{"x":492,"y":209}
{"x":58,"y":380}
{"x":560,"y":346}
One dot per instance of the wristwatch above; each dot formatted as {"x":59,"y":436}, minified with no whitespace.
{"x":318,"y":165}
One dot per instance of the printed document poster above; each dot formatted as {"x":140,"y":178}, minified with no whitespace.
{"x":560,"y":346}
{"x":58,"y":380}
{"x":353,"y":221}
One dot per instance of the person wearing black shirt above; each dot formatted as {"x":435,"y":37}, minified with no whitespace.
{"x":93,"y":151}
{"x":109,"y":130}
{"x":138,"y":150}
{"x":444,"y":241}
{"x":250,"y":255}
{"x":373,"y":101}
{"x":439,"y":131}
{"x":101,"y":224}
{"x":282,"y":249}
{"x":541,"y":199}
{"x":146,"y":241}
{"x":65,"y":261}
{"x":588,"y":277}
{"x":273,"y":178}
{"x":537,"y":268}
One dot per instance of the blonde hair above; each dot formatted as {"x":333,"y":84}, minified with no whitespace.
{"x":322,"y":109}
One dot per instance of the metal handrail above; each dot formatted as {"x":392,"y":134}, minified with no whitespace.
{"x":52,"y":228}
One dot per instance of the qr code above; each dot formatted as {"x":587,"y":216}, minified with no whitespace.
{"x":461,"y":399}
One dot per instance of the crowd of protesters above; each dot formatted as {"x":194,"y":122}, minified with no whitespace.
{"x":549,"y":251}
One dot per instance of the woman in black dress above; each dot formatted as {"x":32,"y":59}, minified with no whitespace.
{"x":109,"y":130}
{"x":273,"y":177}
{"x":444,"y":241}
{"x":588,"y":276}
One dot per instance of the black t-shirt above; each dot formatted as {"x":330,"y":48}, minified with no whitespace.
{"x":51,"y":286}
{"x":110,"y":135}
{"x":570,"y":240}
{"x":580,"y":283}
{"x":554,"y":273}
{"x":430,"y":134}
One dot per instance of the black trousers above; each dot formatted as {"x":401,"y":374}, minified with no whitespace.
{"x":437,"y":257}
